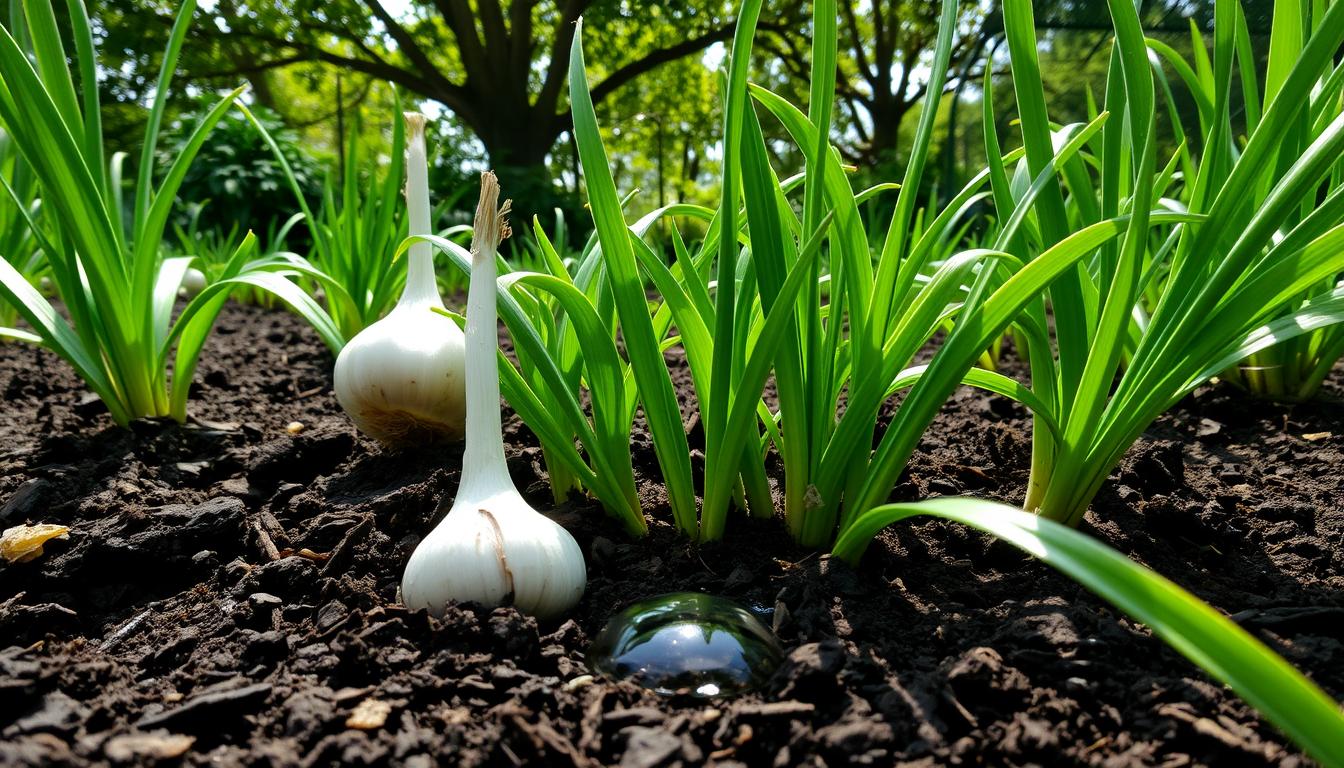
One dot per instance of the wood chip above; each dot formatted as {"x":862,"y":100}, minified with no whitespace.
{"x":24,"y":542}
{"x":455,"y":715}
{"x":274,"y":529}
{"x":1205,"y":726}
{"x":350,"y":694}
{"x":220,"y":426}
{"x":1098,"y":744}
{"x":1313,"y":437}
{"x":210,"y":706}
{"x":124,"y":630}
{"x":147,"y":747}
{"x":369,"y":715}
{"x":775,"y":709}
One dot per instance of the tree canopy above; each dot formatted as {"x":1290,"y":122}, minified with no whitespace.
{"x":497,"y":67}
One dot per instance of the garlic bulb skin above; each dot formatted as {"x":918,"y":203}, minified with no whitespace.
{"x":496,"y":551}
{"x":402,"y":380}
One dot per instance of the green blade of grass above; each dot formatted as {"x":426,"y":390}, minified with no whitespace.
{"x":646,"y":361}
{"x":741,"y":408}
{"x":1195,"y":630}
{"x":963,"y":347}
{"x":56,"y":333}
{"x":144,"y":186}
{"x":606,"y":386}
{"x":766,"y":210}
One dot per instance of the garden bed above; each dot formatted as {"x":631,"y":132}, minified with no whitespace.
{"x":228,"y":594}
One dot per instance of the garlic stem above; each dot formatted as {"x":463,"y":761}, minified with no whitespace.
{"x":483,"y":467}
{"x":421,"y":287}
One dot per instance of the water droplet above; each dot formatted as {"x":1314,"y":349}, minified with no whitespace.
{"x":766,"y":613}
{"x":687,"y":643}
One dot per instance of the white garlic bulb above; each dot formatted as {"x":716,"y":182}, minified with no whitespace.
{"x":496,"y":551}
{"x":492,"y":548}
{"x":193,"y":282}
{"x":402,"y":379}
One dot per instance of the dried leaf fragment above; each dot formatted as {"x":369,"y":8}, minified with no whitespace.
{"x":24,"y":542}
{"x":370,"y":714}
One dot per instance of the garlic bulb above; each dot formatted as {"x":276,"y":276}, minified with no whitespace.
{"x":492,"y":547}
{"x":402,"y":379}
{"x":193,"y":282}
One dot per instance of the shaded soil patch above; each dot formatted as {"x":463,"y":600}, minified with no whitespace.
{"x":228,"y":594}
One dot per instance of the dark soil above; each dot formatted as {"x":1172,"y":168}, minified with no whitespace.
{"x":227,"y":595}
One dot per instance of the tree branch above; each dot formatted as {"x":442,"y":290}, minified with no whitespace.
{"x":879,"y":24}
{"x":856,"y":43}
{"x":343,"y":104}
{"x":520,"y":37}
{"x":659,"y":56}
{"x":462,"y":23}
{"x":854,"y":121}
{"x":790,"y":56}
{"x":406,"y":44}
{"x":558,"y":69}
{"x":496,"y":35}
{"x":450,"y":94}
{"x":254,"y":67}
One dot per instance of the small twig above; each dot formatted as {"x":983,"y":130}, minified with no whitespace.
{"x":276,"y":531}
{"x":267,"y":546}
{"x":343,"y":553}
{"x":317,"y":557}
{"x":124,"y":630}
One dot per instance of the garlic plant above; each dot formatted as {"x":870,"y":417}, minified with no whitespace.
{"x":401,"y":379}
{"x":492,"y":548}
{"x":101,"y":236}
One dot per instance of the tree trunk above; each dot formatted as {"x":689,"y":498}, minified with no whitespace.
{"x":517,"y":145}
{"x":887,"y":115}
